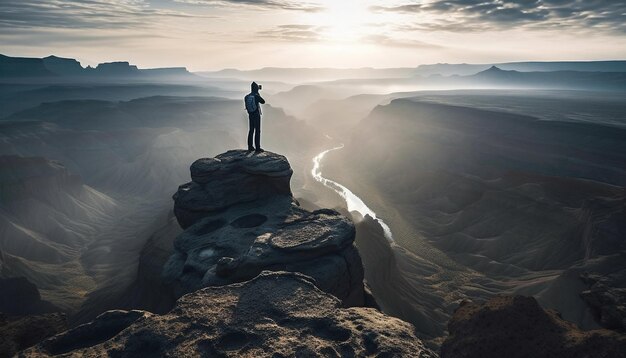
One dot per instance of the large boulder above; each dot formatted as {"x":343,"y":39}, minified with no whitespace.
{"x":231,"y":178}
{"x":241,"y":219}
{"x":516,"y":326}
{"x":276,"y":314}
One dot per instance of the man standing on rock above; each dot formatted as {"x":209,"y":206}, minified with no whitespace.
{"x":253,"y":103}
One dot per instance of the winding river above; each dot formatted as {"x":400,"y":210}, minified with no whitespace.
{"x":353,"y":202}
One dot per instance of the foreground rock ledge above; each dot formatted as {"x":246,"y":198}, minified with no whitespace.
{"x":276,"y":314}
{"x":240,"y":218}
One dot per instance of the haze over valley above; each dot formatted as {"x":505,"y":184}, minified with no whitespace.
{"x":354,"y":178}
{"x":506,"y":180}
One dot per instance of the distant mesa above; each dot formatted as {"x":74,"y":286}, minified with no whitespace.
{"x":12,"y":67}
{"x":63,"y":66}
{"x":166,"y":71}
{"x":68,"y":68}
{"x":121,"y":68}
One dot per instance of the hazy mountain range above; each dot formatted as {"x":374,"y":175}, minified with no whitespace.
{"x":449,"y":69}
{"x":496,"y":77}
{"x":54,"y":67}
{"x":443,"y":69}
{"x":57,"y":67}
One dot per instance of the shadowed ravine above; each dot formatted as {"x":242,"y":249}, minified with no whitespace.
{"x":397,"y":273}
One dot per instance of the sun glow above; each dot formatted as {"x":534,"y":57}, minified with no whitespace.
{"x":343,"y":20}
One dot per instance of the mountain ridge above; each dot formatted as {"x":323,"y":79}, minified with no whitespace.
{"x":59,"y":67}
{"x":443,"y":69}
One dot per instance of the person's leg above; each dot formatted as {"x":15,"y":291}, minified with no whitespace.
{"x":250,"y":131}
{"x":257,"y":135}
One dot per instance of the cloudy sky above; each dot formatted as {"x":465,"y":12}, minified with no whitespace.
{"x":207,"y":34}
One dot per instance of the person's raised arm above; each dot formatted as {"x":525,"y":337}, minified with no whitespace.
{"x":261,"y":100}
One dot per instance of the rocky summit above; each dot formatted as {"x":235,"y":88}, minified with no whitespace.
{"x":231,"y":178}
{"x":276,"y":314}
{"x":241,"y":219}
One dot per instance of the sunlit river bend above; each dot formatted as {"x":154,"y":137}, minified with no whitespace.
{"x":353,"y":202}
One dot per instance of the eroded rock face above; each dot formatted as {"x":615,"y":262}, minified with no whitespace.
{"x":276,"y":314}
{"x":516,"y":326}
{"x":241,"y":219}
{"x":34,"y":177}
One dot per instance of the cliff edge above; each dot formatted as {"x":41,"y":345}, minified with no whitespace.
{"x":256,"y":274}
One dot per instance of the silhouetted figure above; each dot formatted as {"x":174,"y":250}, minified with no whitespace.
{"x":253,"y":103}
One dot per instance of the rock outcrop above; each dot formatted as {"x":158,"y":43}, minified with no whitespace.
{"x":228,"y":179}
{"x":257,"y":276}
{"x":516,"y":326}
{"x":276,"y":314}
{"x":240,"y":219}
{"x":20,"y":332}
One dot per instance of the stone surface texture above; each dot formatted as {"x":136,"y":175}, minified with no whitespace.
{"x":255,"y":275}
{"x":231,"y":178}
{"x":276,"y":314}
{"x":240,"y":219}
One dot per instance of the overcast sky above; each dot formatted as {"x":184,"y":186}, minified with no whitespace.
{"x":206,"y":34}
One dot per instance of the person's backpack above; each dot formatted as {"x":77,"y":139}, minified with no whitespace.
{"x":250,"y":101}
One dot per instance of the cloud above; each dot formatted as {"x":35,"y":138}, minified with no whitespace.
{"x":477,"y":15}
{"x":261,"y":4}
{"x":81,"y":14}
{"x":385,"y":40}
{"x":45,"y":38}
{"x":312,"y":33}
{"x":293,"y":32}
